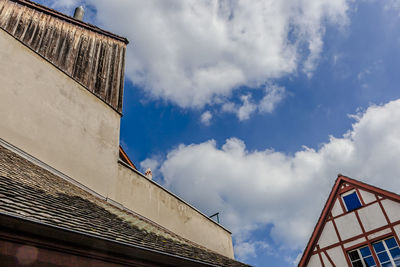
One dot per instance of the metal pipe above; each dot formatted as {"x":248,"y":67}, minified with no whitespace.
{"x":79,"y":12}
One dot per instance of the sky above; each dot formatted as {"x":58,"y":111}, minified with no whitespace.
{"x":252,"y":108}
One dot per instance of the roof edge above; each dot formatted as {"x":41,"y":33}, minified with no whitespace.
{"x":317,"y":229}
{"x":70,"y":19}
{"x":172,"y":194}
{"x":18,"y":223}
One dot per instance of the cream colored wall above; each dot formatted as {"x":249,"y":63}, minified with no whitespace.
{"x":392,"y":210}
{"x":50,"y":116}
{"x":372,"y":217}
{"x":337,"y":256}
{"x":314,"y":261}
{"x":328,"y":236}
{"x":348,"y":226}
{"x":144,"y":197}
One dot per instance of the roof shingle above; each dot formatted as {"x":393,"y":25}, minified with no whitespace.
{"x":31,"y":192}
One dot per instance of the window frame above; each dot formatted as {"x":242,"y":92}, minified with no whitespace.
{"x":361,"y":257}
{"x":374,"y":254}
{"x":349,"y":193}
{"x":387,"y":250}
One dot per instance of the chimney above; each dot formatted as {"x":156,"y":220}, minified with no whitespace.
{"x":148,"y":174}
{"x":79,"y":12}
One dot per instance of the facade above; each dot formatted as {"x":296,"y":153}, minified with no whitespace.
{"x":359,"y":226}
{"x":61,"y":89}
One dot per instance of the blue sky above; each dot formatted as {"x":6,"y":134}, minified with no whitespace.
{"x":251,"y":109}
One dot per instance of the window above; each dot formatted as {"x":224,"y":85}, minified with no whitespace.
{"x":362,"y":257}
{"x":351,"y":200}
{"x":388,"y":252}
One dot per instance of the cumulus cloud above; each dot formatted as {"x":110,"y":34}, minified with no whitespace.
{"x":252,"y":189}
{"x":273,"y":95}
{"x":245,"y":250}
{"x":206,"y":118}
{"x":246,"y":109}
{"x":194,"y":53}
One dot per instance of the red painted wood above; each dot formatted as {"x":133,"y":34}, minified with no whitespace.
{"x":336,"y":189}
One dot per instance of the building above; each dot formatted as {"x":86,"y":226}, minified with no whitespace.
{"x":359,"y":226}
{"x":68,"y":193}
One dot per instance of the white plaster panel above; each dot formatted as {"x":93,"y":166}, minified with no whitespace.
{"x":348,"y":226}
{"x":397,"y":230}
{"x":314,"y":261}
{"x":355,"y":242}
{"x":367,"y":196}
{"x":377,"y":234}
{"x":326,"y":261}
{"x":337,"y":256}
{"x":337,"y":209}
{"x":392,"y":209}
{"x":372,"y":217}
{"x":328,"y":236}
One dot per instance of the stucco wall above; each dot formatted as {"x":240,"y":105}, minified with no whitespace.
{"x":328,"y":236}
{"x":50,"y":116}
{"x":144,"y":197}
{"x":392,"y":210}
{"x":348,"y":226}
{"x":372,"y":217}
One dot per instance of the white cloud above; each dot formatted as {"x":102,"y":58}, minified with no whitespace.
{"x":245,"y":250}
{"x":274,"y":95}
{"x":206,"y":118}
{"x":391,"y":5}
{"x":254,"y":188}
{"x":195,"y":52}
{"x":246,"y":109}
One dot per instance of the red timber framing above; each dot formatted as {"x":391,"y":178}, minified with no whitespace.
{"x":344,"y":184}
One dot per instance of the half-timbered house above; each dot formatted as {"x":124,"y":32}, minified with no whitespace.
{"x":359,"y":226}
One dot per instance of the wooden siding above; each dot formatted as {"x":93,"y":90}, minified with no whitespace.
{"x":87,"y":54}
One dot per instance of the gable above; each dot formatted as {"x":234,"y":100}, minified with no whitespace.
{"x":354,"y":214}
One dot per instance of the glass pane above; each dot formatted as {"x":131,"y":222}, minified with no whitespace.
{"x":395,"y":252}
{"x":379,"y":247}
{"x":387,"y":264}
{"x":357,"y":264}
{"x":383,"y":257}
{"x":354,"y":255}
{"x":391,"y":242}
{"x":365,"y":251}
{"x":352,"y":202}
{"x":397,"y":262}
{"x":369,"y":261}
